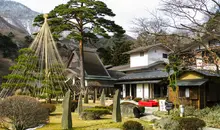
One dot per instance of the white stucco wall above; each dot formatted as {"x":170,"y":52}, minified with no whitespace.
{"x":136,"y":60}
{"x":146,"y":91}
{"x":156,"y":54}
{"x":140,"y":90}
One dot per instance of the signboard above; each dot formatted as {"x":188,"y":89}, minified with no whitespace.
{"x":162,"y":106}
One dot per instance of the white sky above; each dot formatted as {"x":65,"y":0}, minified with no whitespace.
{"x":125,"y":10}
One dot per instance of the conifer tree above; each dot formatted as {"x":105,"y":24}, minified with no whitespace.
{"x":24,"y":76}
{"x":84,"y":19}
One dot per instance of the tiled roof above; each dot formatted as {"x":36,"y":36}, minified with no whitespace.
{"x":121,"y":67}
{"x":205,"y":72}
{"x":116,"y":74}
{"x":154,"y":74}
{"x":192,"y":82}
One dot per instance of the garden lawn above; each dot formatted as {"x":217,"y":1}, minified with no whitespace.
{"x":78,"y":124}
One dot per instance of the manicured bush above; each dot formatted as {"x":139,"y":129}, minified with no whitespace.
{"x":141,"y":109}
{"x":191,"y":123}
{"x":179,"y":123}
{"x":74,"y":105}
{"x":137,"y":99}
{"x":110,"y":108}
{"x":50,"y":107}
{"x":23,"y":111}
{"x":167,"y":124}
{"x":94,"y":113}
{"x":132,"y":125}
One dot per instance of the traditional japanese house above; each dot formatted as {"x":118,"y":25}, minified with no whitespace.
{"x":96,"y":76}
{"x":199,"y":88}
{"x":145,"y":75}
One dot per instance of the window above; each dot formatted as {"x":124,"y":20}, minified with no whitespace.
{"x":165,"y":55}
{"x":184,"y":92}
{"x":187,"y":92}
{"x":181,"y":92}
{"x":141,"y":54}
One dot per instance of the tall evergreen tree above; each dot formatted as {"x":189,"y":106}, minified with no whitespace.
{"x":121,"y":45}
{"x":84,"y":19}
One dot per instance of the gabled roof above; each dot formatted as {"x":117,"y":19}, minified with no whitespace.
{"x":116,"y":74}
{"x":120,"y":67}
{"x":146,"y":48}
{"x":125,"y":68}
{"x":94,"y":69}
{"x":154,"y":74}
{"x":208,"y":73}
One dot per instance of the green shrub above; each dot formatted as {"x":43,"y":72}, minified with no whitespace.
{"x":189,"y":110}
{"x":50,"y":107}
{"x":191,"y":123}
{"x":141,"y":109}
{"x":212,"y":118}
{"x":137,"y":99}
{"x":132,"y":125}
{"x":177,"y":123}
{"x":110,"y":108}
{"x":175,"y":112}
{"x":162,"y":114}
{"x":167,"y":124}
{"x":23,"y":112}
{"x":94,"y":113}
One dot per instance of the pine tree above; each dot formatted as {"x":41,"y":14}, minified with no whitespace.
{"x":84,"y":19}
{"x":24,"y":78}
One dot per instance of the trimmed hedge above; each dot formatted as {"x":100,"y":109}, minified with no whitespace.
{"x":180,"y":124}
{"x":191,"y":123}
{"x":50,"y":107}
{"x":132,"y":125}
{"x":94,"y":113}
{"x":110,"y":108}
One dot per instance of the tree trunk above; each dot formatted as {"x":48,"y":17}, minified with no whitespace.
{"x":82,"y":73}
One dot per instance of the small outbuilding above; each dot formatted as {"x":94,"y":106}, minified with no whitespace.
{"x":199,"y":88}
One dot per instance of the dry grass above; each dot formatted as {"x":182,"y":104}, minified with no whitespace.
{"x":78,"y":124}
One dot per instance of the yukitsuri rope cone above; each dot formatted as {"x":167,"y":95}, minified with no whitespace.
{"x":40,"y":70}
